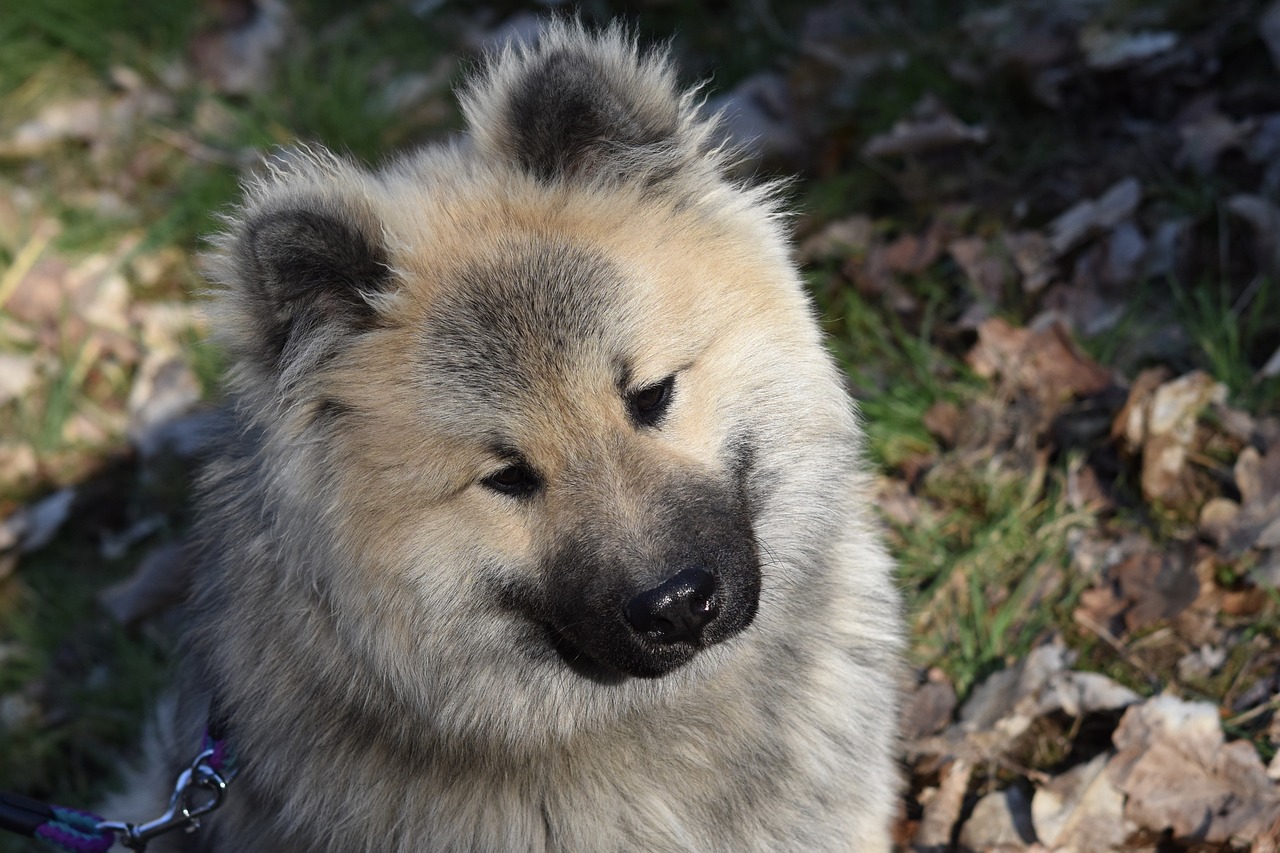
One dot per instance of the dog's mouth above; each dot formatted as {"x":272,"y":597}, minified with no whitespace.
{"x":580,"y":662}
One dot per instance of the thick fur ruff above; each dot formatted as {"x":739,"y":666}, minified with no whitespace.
{"x":490,"y":403}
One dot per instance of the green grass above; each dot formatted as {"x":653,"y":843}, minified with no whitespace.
{"x":985,"y":568}
{"x":1234,"y":334}
{"x":88,"y":680}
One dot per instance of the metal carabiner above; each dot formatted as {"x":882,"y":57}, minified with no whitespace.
{"x":186,"y":806}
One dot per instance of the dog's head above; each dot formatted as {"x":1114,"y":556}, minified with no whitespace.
{"x":539,"y":407}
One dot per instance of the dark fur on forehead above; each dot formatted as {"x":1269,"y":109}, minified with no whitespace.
{"x":307,"y":270}
{"x":524,"y":312}
{"x":581,"y":106}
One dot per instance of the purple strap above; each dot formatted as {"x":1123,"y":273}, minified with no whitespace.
{"x":74,"y":831}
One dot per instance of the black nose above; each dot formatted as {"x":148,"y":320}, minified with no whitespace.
{"x":676,"y":609}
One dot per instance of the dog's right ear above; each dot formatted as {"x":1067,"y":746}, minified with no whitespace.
{"x":301,"y":276}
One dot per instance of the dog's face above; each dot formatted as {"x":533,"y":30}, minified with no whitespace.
{"x":585,"y":436}
{"x":525,"y":398}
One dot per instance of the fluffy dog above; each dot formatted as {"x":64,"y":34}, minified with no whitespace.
{"x":540,"y":521}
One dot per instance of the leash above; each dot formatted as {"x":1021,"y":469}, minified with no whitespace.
{"x":198,"y":790}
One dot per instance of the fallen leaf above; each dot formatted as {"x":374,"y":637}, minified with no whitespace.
{"x":1044,"y":363}
{"x":1170,"y":430}
{"x":931,"y":127}
{"x":1107,"y":211}
{"x":1267,"y":573}
{"x":1032,"y":255}
{"x":758,"y":113}
{"x":1141,"y":590}
{"x":164,"y":390}
{"x":1126,"y":250}
{"x":32,"y":527}
{"x":1107,"y":50}
{"x":1179,"y":774}
{"x":18,"y":463}
{"x":1269,"y":30}
{"x":81,"y":119}
{"x":942,"y":811}
{"x":985,"y":270}
{"x":1000,"y":819}
{"x":1218,"y":519}
{"x":1207,"y":134}
{"x":1256,"y":523}
{"x":1080,"y":810}
{"x":1167,"y":248}
{"x":839,"y":239}
{"x":912,"y":254}
{"x":929,"y":707}
{"x":160,"y":582}
{"x":1272,"y":367}
{"x":17,"y":375}
{"x":942,"y":420}
{"x":1130,"y":424}
{"x":1040,"y":684}
{"x":1201,"y":663}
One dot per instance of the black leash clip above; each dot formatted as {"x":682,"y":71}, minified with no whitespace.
{"x":199,"y":790}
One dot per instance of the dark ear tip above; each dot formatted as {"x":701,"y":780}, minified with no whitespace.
{"x":584,"y":104}
{"x":307,"y":269}
{"x":297,"y":252}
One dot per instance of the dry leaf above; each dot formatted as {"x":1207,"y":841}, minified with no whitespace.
{"x":1269,"y":30}
{"x":1044,"y":363}
{"x":1141,"y":590}
{"x":1206,"y":134}
{"x":1107,"y":50}
{"x":986,"y":271}
{"x":1255,"y":522}
{"x":1101,"y":214}
{"x":32,"y":527}
{"x":931,"y":127}
{"x":1272,"y":367}
{"x":1081,"y":810}
{"x":1178,"y":773}
{"x":852,"y":236}
{"x":1010,"y":700}
{"x":164,"y":390}
{"x":161,"y":581}
{"x":1001,"y":819}
{"x":1162,"y":422}
{"x":17,"y":375}
{"x":1032,"y":255}
{"x":942,"y":811}
{"x":943,"y":420}
{"x":929,"y":707}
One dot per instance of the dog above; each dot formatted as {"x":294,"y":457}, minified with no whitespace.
{"x":540,"y":521}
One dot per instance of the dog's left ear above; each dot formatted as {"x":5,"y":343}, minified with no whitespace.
{"x":585,"y":106}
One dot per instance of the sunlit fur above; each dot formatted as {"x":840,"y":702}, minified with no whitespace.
{"x":348,"y":622}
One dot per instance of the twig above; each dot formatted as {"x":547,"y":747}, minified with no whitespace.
{"x":26,"y":259}
{"x":1243,"y":717}
{"x":1112,"y":641}
{"x":194,"y":147}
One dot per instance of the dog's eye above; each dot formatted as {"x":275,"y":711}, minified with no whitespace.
{"x":650,"y":403}
{"x":518,"y":481}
